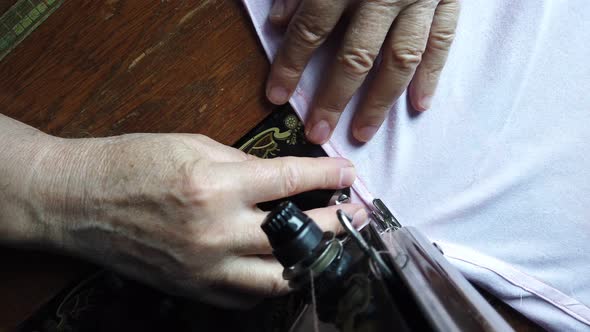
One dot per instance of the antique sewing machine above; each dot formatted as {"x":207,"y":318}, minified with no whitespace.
{"x":385,"y":277}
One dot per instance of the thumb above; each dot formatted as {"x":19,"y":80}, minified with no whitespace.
{"x":264,"y":180}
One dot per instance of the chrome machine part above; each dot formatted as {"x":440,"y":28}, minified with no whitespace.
{"x":383,"y":216}
{"x":346,"y":222}
{"x":300,"y":273}
{"x":340,"y":197}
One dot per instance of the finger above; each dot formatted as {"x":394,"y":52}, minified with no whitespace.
{"x":249,"y":239}
{"x":311,"y":24}
{"x":360,"y":219}
{"x":439,"y":43}
{"x":282,"y":11}
{"x":362,"y":42}
{"x":264,"y":180}
{"x":253,"y":276}
{"x":327,"y":218}
{"x":402,"y":53}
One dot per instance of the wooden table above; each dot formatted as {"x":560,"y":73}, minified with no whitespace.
{"x":101,"y":68}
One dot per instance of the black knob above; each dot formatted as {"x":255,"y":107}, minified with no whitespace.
{"x":292,"y":234}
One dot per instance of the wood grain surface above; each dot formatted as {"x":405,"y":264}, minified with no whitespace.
{"x":100,"y":68}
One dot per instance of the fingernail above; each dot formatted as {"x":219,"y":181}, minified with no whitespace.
{"x":277,"y":9}
{"x":347,"y":176}
{"x":366,"y":133}
{"x":360,"y":219}
{"x":425,"y":103}
{"x":319,"y":133}
{"x":343,"y":162}
{"x":278,"y":95}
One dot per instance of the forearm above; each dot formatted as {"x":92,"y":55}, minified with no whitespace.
{"x":154,"y":207}
{"x":50,"y":186}
{"x":22,"y":150}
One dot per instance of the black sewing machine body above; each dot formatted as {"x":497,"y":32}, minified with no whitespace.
{"x":410,"y":287}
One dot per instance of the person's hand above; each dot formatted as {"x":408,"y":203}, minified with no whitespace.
{"x":413,"y":36}
{"x":177,"y":211}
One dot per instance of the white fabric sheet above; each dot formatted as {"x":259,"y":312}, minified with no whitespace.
{"x":498,"y":171}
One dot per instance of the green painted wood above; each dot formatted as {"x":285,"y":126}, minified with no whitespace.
{"x":22,"y":19}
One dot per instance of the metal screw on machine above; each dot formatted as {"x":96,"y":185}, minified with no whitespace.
{"x":306,"y":252}
{"x":383,"y":216}
{"x":299,"y":244}
{"x":292,"y":234}
{"x":371,"y":252}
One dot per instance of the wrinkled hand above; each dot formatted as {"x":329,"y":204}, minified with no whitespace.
{"x":179,"y":211}
{"x":414,"y":37}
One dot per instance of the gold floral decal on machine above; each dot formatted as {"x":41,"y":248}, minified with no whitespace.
{"x":265,"y":145}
